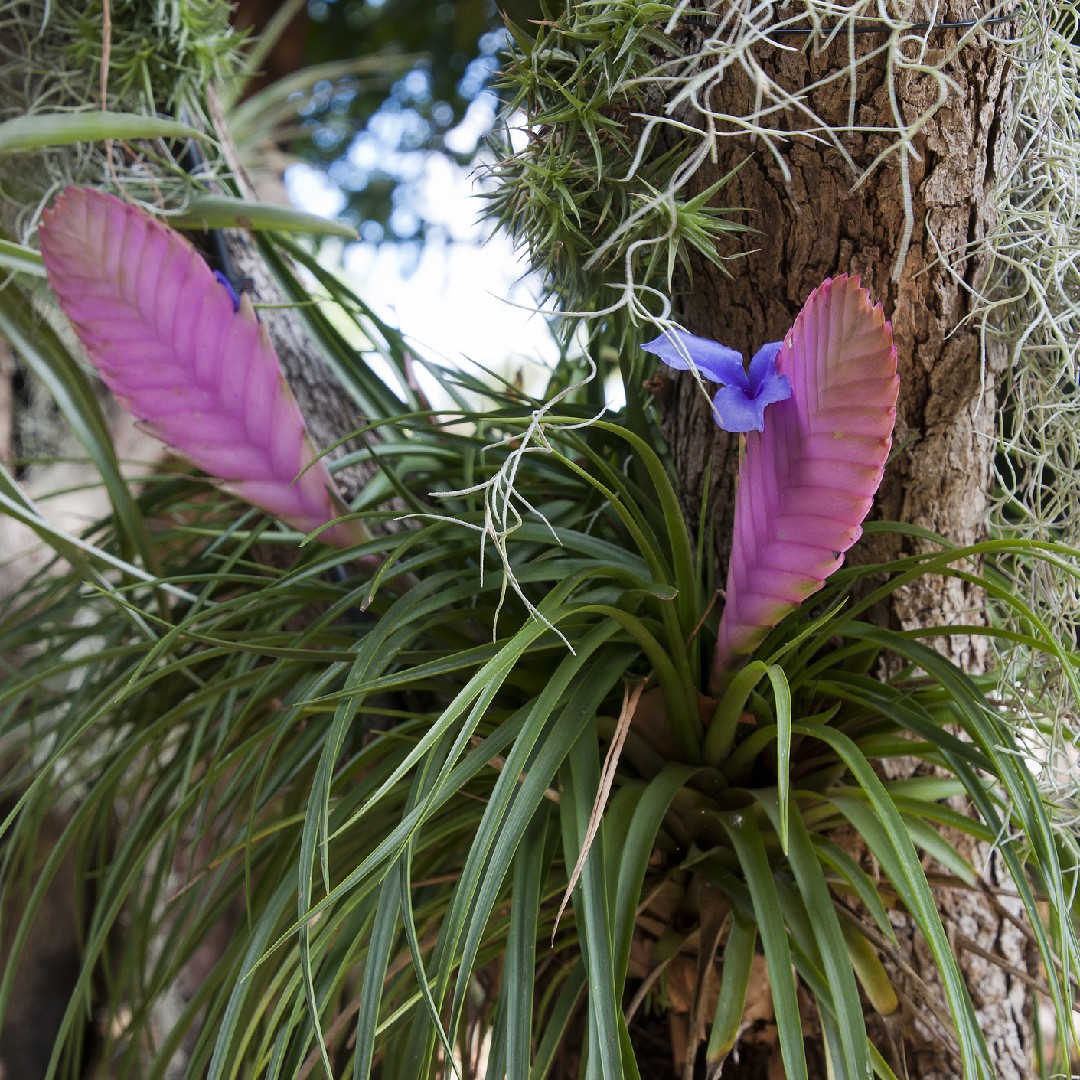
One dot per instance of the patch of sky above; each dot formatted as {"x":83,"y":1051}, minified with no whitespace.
{"x":479,"y":71}
{"x":458,"y":292}
{"x":462,"y":296}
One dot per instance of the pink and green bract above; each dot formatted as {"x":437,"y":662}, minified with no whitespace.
{"x":807,"y":481}
{"x":199,"y":371}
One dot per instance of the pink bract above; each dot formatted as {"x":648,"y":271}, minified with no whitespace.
{"x":202,"y":377}
{"x":808,"y":480}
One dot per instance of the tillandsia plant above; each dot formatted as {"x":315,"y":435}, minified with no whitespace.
{"x":403,"y":894}
{"x":573,"y":819}
{"x":807,"y":478}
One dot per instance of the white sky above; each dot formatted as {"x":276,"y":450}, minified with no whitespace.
{"x":453,"y":299}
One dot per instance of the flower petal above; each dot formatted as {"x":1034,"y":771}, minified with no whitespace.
{"x":736,"y":410}
{"x":229,"y":289}
{"x":775,"y":388}
{"x":763,"y":365}
{"x":677,"y":349}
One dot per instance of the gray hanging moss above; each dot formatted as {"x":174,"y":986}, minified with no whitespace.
{"x":1032,"y":301}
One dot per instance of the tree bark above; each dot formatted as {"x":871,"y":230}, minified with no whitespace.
{"x":814,"y":226}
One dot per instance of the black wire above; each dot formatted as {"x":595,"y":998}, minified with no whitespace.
{"x":192,"y":161}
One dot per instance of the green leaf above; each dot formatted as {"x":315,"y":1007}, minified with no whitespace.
{"x":409,"y":920}
{"x":782,"y":698}
{"x":606,"y":1025}
{"x":885,"y":833}
{"x":42,"y":129}
{"x":850,"y":1063}
{"x":381,"y":942}
{"x":559,"y":1021}
{"x":859,"y":880}
{"x":20,"y":259}
{"x":682,"y":553}
{"x":519,"y":970}
{"x":634,"y":853}
{"x":228,"y":212}
{"x":925,"y":836}
{"x":746,"y":839}
{"x":735,"y":981}
{"x":720,"y":734}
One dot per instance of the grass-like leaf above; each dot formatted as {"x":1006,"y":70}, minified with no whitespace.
{"x":747,"y":842}
{"x":25,"y":133}
{"x":228,"y":212}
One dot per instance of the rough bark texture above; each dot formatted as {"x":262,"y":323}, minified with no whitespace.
{"x":815,"y":226}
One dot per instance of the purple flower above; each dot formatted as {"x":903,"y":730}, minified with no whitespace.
{"x":222,"y":279}
{"x":739,"y":404}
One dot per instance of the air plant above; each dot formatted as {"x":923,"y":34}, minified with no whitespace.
{"x":402,"y":891}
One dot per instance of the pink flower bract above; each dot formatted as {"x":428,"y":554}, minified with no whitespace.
{"x":202,"y":376}
{"x":808,"y":480}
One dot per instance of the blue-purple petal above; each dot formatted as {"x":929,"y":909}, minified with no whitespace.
{"x":774,"y":388}
{"x":715,"y":361}
{"x":229,"y":289}
{"x":763,"y":365}
{"x":737,"y":411}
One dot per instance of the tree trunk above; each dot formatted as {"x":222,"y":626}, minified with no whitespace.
{"x":812,"y":226}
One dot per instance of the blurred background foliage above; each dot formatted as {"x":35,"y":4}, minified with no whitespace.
{"x":404,"y":79}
